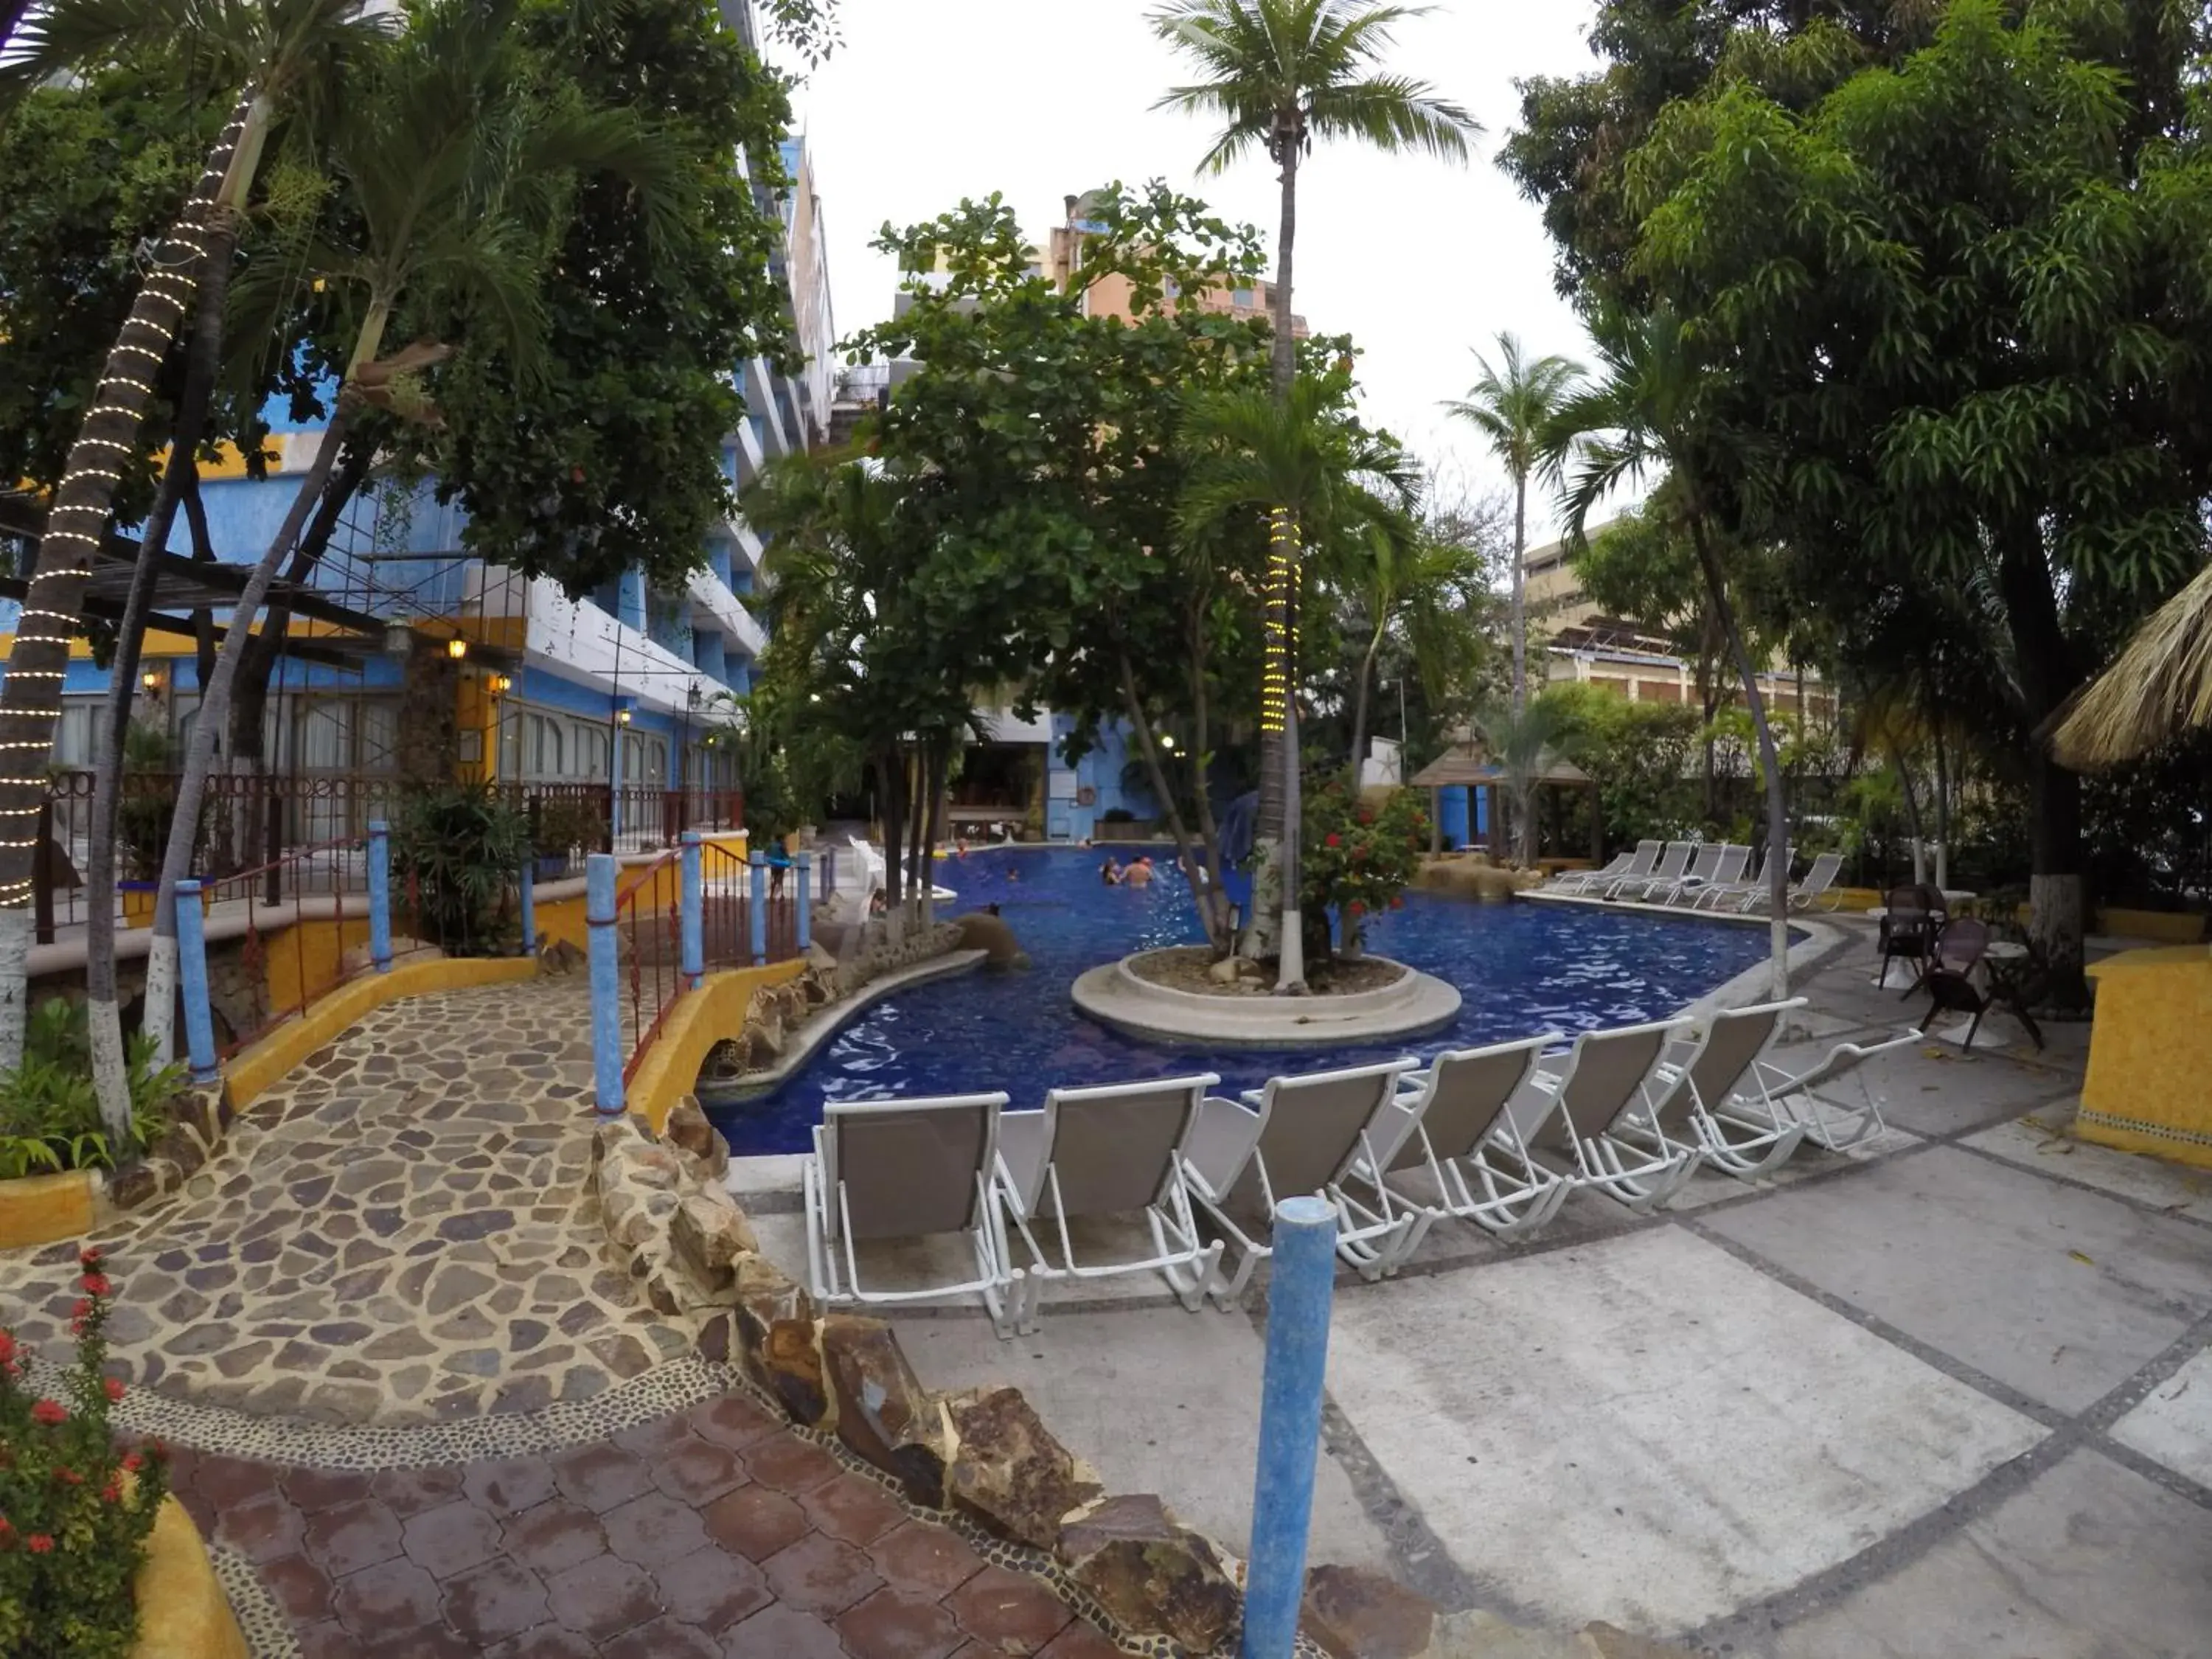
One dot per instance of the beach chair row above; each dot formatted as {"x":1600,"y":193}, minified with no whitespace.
{"x":1697,"y":875}
{"x":1500,"y":1136}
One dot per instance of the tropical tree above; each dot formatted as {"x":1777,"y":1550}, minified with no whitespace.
{"x":1521,"y":741}
{"x":1316,"y":473}
{"x":1513,"y":406}
{"x":282,"y":53}
{"x":1280,"y":74}
{"x":451,"y":166}
{"x":1653,"y":406}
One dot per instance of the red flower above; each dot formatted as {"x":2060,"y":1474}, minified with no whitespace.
{"x":95,"y":1285}
{"x":7,"y":1347}
{"x":1333,"y":840}
{"x":89,"y":1258}
{"x":68,"y":1476}
{"x":1353,"y":908}
{"x":114,"y":1386}
{"x":37,"y":1543}
{"x":111,"y":1493}
{"x":1397,"y":904}
{"x":49,"y":1412}
{"x":80,"y":1308}
{"x":133,"y":1462}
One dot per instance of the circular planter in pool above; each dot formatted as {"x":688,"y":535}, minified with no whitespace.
{"x":1115,"y":995}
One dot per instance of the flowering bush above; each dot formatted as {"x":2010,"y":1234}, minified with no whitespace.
{"x":1357,"y":859}
{"x":74,"y":1510}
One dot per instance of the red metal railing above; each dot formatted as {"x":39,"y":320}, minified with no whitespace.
{"x":648,"y":922}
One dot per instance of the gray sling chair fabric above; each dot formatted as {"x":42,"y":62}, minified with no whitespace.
{"x":1671,"y":864}
{"x":1115,"y":1150}
{"x":1705,"y":865}
{"x":1297,"y":1136}
{"x":1751,"y":881}
{"x":1700,"y":1081}
{"x":1724,"y":870}
{"x":1449,"y":1124}
{"x":1623,"y":864}
{"x":1606,"y":1088}
{"x":907,"y":1169}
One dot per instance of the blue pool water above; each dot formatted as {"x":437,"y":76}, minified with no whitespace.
{"x":1521,"y":968}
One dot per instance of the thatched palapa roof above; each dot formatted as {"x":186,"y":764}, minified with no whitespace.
{"x":1465,"y":762}
{"x":2158,"y":687}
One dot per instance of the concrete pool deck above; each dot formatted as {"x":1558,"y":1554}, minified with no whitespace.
{"x":1951,"y":1397}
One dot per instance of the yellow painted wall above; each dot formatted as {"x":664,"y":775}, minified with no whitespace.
{"x":2150,"y":1085}
{"x":190,"y":1617}
{"x":301,"y":963}
{"x":696,"y":1023}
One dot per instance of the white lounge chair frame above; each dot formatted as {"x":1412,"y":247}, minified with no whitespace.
{"x":1670,"y":870}
{"x":1179,"y":1254}
{"x":1700,"y":1083}
{"x":1796,"y":1097}
{"x":1813,"y":890}
{"x":1573,"y":881}
{"x":1369,"y":1237}
{"x":1746,"y":887}
{"x":833,"y":1269}
{"x":1606,"y":1087}
{"x":1511,"y":1194}
{"x":1641,"y":863}
{"x":1726,"y":866}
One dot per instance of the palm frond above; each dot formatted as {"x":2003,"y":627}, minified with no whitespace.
{"x":2158,"y":688}
{"x":1393,"y":113}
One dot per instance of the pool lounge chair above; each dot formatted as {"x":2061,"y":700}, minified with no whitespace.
{"x":1725,"y":867}
{"x":1297,"y":1135}
{"x":1597,"y":1114}
{"x":1699,"y":1084}
{"x":1777,"y":1095}
{"x":907,"y":1169}
{"x":1115,"y":1150}
{"x":1815,"y":888}
{"x":1749,"y":884}
{"x":1670,"y":870}
{"x":1451,"y":1123}
{"x":1629,"y":867}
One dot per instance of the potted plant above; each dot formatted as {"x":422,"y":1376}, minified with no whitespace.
{"x":459,"y":848}
{"x":564,"y":823}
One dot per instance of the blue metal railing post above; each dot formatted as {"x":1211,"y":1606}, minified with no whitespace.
{"x":607,"y":1055}
{"x":192,"y":978}
{"x":757,"y":912}
{"x":693,"y":902}
{"x":529,"y":904}
{"x":380,"y":894}
{"x":806,"y":902}
{"x":1301,"y":1278}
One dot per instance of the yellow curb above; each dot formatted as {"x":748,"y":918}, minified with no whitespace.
{"x":696,"y":1021}
{"x":253,"y":1071}
{"x":182,"y":1611}
{"x":40,"y":1209}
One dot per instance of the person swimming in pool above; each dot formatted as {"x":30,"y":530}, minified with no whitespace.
{"x":1139,"y":874}
{"x":1111,"y":872}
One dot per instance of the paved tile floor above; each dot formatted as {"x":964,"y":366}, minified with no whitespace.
{"x":709,"y":1532}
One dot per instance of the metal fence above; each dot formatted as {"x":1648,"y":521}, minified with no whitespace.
{"x":747,"y":915}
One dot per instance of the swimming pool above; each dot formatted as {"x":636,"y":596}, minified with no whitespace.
{"x":1521,"y":968}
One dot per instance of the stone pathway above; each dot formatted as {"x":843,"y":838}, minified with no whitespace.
{"x":712,"y":1533}
{"x":399,"y":1232}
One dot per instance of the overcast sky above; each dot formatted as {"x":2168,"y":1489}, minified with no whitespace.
{"x":930,"y":101}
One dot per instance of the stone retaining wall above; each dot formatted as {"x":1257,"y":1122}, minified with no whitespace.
{"x":982,"y":1456}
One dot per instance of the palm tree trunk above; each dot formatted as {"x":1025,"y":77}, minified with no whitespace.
{"x":1777,"y":811}
{"x":1942,"y":811}
{"x":1290,"y":972}
{"x":1216,"y":901}
{"x":1520,"y":593}
{"x":1360,"y":706}
{"x":1186,"y":852}
{"x":1286,"y":360}
{"x":214,"y":697}
{"x":111,"y":1073}
{"x":29,"y":703}
{"x":1911,"y":813}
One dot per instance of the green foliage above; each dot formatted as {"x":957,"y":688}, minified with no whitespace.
{"x":144,"y":808}
{"x":1357,"y":859}
{"x":75,"y":1509}
{"x":1642,"y":756}
{"x":566,"y":824}
{"x":49,"y":1113}
{"x":459,"y":847}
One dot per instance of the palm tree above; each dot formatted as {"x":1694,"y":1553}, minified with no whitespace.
{"x":281,"y":53}
{"x":451,"y":169}
{"x":1520,"y":742}
{"x":1513,"y":406}
{"x":1652,"y":409}
{"x":1393,"y":568}
{"x":1280,"y":74}
{"x":1315,"y":472}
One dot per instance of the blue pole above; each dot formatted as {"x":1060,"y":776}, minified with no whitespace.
{"x":191,"y":973}
{"x":380,"y":894}
{"x":693,"y":901}
{"x":757,"y":912}
{"x":607,"y":1055}
{"x":1301,"y":1279}
{"x":529,"y":904}
{"x":805,"y":904}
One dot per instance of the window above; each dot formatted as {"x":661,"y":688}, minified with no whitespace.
{"x":546,"y":747}
{"x":592,"y":753}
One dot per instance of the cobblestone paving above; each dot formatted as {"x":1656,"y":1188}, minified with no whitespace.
{"x":399,"y":1232}
{"x":713,"y":1532}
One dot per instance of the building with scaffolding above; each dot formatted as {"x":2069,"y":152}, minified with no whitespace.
{"x":408,"y":660}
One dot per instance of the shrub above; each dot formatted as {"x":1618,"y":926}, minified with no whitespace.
{"x":75,"y":1512}
{"x":1356,"y":859}
{"x":566,"y":823}
{"x":460,"y":846}
{"x":49,"y":1113}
